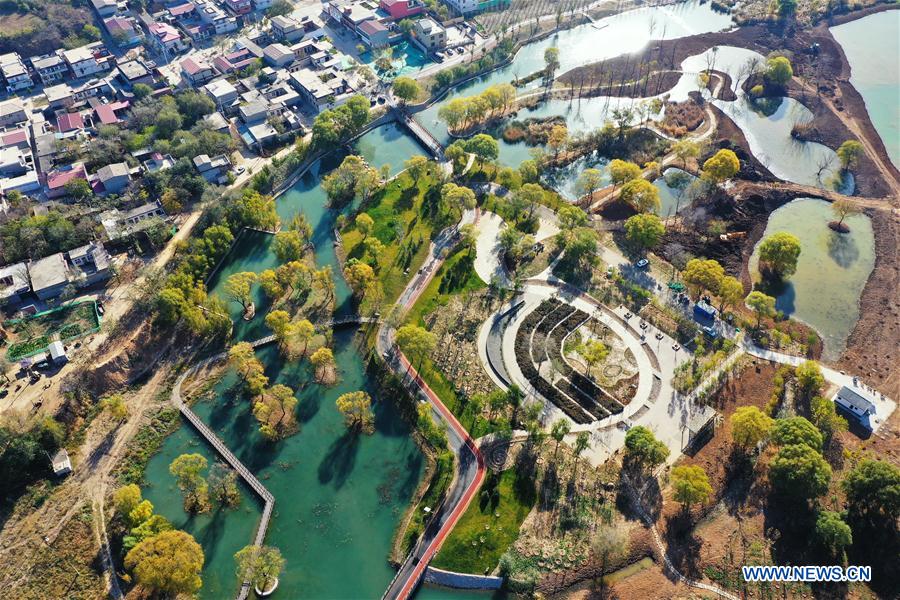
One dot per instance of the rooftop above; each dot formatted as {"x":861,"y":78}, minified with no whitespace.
{"x":69,"y":122}
{"x":856,"y":398}
{"x":48,"y":272}
{"x":114,"y":170}
{"x":58,"y":179}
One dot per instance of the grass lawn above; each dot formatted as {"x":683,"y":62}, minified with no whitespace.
{"x":401,"y":225}
{"x":455,"y":276}
{"x":490,"y":525}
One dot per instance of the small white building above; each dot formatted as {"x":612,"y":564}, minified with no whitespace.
{"x":857,"y":403}
{"x":61,"y":463}
{"x":58,"y":355}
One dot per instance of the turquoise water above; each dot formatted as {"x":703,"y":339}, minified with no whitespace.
{"x":872,"y":46}
{"x":407,"y":59}
{"x":565,"y":179}
{"x":831,"y":272}
{"x":338,"y":497}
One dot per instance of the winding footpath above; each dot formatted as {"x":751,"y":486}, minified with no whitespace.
{"x":470,"y":463}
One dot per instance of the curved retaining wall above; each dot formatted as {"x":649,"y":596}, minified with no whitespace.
{"x":462,"y":581}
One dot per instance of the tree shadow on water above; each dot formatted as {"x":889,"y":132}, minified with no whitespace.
{"x":339,"y":460}
{"x":842,"y":249}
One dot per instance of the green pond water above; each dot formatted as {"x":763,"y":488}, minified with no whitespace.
{"x":831,"y":272}
{"x":674,"y":192}
{"x":872,"y":46}
{"x":338,"y":497}
{"x":767,"y":123}
{"x":608,"y":37}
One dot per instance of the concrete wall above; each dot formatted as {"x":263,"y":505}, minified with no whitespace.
{"x":463,"y":581}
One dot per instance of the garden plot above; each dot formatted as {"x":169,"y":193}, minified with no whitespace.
{"x":616,"y":372}
{"x":31,"y":335}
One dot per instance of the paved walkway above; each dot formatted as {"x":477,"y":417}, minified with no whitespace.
{"x":488,"y":253}
{"x":470,"y":464}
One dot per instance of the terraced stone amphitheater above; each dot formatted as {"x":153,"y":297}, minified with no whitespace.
{"x":539,"y":351}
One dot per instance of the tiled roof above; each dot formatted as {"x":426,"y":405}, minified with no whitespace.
{"x":70,"y":122}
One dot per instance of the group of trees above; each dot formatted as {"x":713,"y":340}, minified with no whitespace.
{"x":273,"y":406}
{"x":341,"y":123}
{"x":163,"y":560}
{"x":182,"y":297}
{"x":31,"y":237}
{"x":26,"y":444}
{"x":799,"y":473}
{"x":463,"y":112}
{"x":354,"y":178}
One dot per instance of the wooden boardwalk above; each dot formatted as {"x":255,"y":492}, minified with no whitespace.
{"x":228,"y":456}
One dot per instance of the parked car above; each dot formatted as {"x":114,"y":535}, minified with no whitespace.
{"x":642,"y":264}
{"x":710,"y":332}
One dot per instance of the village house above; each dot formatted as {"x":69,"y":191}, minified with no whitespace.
{"x":212,"y":169}
{"x":223,"y":93}
{"x":197,"y":71}
{"x":210,"y":14}
{"x":12,"y":112}
{"x":109,"y":8}
{"x":51,"y":68}
{"x":59,"y":178}
{"x":118,"y":224}
{"x":114,"y":178}
{"x":107,"y":114}
{"x":159,"y":162}
{"x":234,"y":61}
{"x":90,"y":264}
{"x":166,"y":39}
{"x":239,"y":7}
{"x":69,"y":124}
{"x":430,"y":35}
{"x":857,"y":403}
{"x":123,"y":30}
{"x":402,"y":9}
{"x":49,"y":276}
{"x":374,"y":34}
{"x":88,"y":60}
{"x":133,"y":72}
{"x":15,"y":73}
{"x":14,"y":284}
{"x":216,"y":122}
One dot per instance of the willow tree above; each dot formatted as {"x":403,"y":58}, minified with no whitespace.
{"x":357,"y":410}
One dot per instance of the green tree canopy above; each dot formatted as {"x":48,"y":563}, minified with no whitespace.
{"x":778,"y":254}
{"x":832,"y":532}
{"x":260,"y":565}
{"x":849,"y":153}
{"x":703,"y":275}
{"x":778,"y":71}
{"x":691,"y":485}
{"x":416,"y":341}
{"x":761,"y":304}
{"x":357,"y":410}
{"x":644,"y":230}
{"x":169,"y":563}
{"x":643,"y":447}
{"x":484,"y":147}
{"x":621,"y":171}
{"x":750,"y":426}
{"x":406,"y":88}
{"x":809,"y":378}
{"x":873,"y":491}
{"x":800,"y":472}
{"x":796,"y":430}
{"x":641,"y":195}
{"x":721,"y":166}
